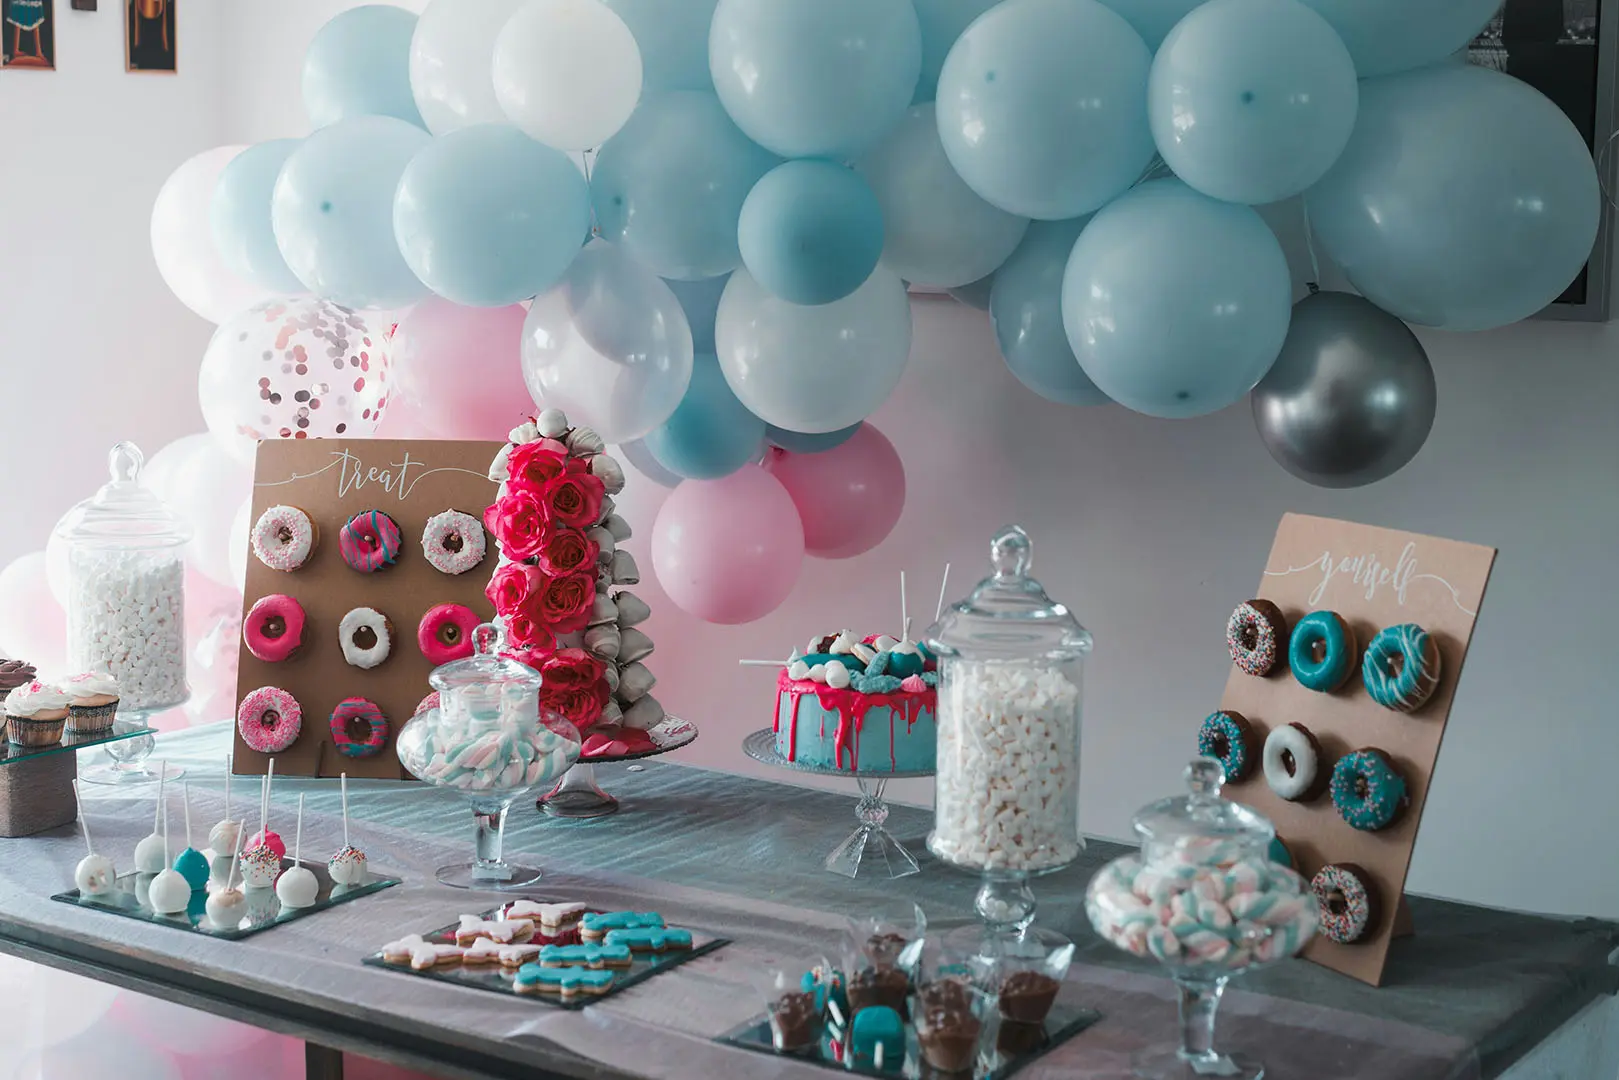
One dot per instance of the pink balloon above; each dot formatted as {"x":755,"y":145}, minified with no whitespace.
{"x":728,"y":550}
{"x":181,"y":1030}
{"x":459,"y":369}
{"x":849,"y":497}
{"x":33,"y":626}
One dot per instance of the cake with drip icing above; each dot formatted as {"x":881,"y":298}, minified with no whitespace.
{"x":858,"y":704}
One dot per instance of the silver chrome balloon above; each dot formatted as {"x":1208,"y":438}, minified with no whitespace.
{"x":1351,"y":398}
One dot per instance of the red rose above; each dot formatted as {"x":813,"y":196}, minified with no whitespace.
{"x":528,"y":633}
{"x":574,"y":498}
{"x":574,"y":687}
{"x":518,"y":521}
{"x":533,"y":465}
{"x":535,"y":657}
{"x":511,"y":585}
{"x":566,"y":551}
{"x":565,"y":604}
{"x":573,"y":669}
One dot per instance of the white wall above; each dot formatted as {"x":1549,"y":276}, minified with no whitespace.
{"x":1151,"y":530}
{"x":93,"y":347}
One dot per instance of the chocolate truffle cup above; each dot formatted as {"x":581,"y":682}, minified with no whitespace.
{"x":952,"y":1019}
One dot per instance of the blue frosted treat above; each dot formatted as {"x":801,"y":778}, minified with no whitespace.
{"x":1226,"y":737}
{"x":858,"y":705}
{"x":877,"y":1038}
{"x":1401,"y":668}
{"x":650,"y":939}
{"x":1367,"y":790}
{"x":1321,"y":651}
{"x":567,"y":982}
{"x":595,"y":925}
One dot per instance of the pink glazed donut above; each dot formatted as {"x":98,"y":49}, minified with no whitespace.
{"x":369,"y":541}
{"x":274,"y":628}
{"x":269,"y":719}
{"x":445,"y":633}
{"x":358,"y":713}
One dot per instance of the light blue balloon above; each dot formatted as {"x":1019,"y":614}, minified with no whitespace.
{"x":710,"y":434}
{"x":1252,"y":101}
{"x":1386,"y":36}
{"x":332,"y":211}
{"x":975,"y":294}
{"x":942,"y":22}
{"x":700,"y":300}
{"x":636,"y":453}
{"x":811,"y":231}
{"x":673,"y":38}
{"x":1465,"y":199}
{"x":486,"y":216}
{"x":1153,"y":19}
{"x":1042,"y":107}
{"x":1025,"y":307}
{"x":797,"y":442}
{"x":669,"y":186}
{"x":240,"y":216}
{"x":1176,"y":304}
{"x":815,"y":78}
{"x":359,"y":65}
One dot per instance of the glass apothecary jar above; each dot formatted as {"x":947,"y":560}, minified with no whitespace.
{"x":1006,"y":803}
{"x":1204,"y":899}
{"x":126,"y":588}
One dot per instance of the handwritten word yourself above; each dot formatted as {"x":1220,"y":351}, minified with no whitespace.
{"x":1366,"y":571}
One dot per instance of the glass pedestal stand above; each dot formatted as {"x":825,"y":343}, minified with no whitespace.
{"x":1196,"y":1056}
{"x":871,"y":850}
{"x":127,"y":762}
{"x":488,"y":869}
{"x":577,"y":794}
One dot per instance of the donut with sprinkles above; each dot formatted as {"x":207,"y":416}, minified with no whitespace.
{"x":1367,"y":791}
{"x":1227,"y":737}
{"x":1347,"y":899}
{"x":282,"y":538}
{"x":453,"y":542}
{"x":1254,"y":634}
{"x":370,"y":541}
{"x":1401,"y":667}
{"x":269,"y":719}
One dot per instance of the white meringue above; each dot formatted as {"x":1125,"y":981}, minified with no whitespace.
{"x":798,"y":670}
{"x":604,"y":541}
{"x":644,"y":713}
{"x":607,"y":469}
{"x":603,"y":642}
{"x":837,"y":676}
{"x":864,"y":653}
{"x":845,"y":643}
{"x":625,"y":572}
{"x":635,"y":646}
{"x":635,"y":681}
{"x":500,"y":468}
{"x":818,"y":673}
{"x":583,"y":442}
{"x":551,"y":423}
{"x":884,"y":643}
{"x":523,"y":433}
{"x":632,"y":610}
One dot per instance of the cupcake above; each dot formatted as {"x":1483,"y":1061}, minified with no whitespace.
{"x":93,"y":704}
{"x":36,"y":714}
{"x":14,"y":673}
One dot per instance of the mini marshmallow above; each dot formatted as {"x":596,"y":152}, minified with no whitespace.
{"x":818,"y":673}
{"x":837,"y":676}
{"x":551,"y":424}
{"x":130,"y":624}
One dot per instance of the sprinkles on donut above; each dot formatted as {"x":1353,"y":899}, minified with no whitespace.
{"x":269,"y":719}
{"x":1347,"y":898}
{"x":1227,"y":737}
{"x":283,"y":538}
{"x":453,"y":542}
{"x":1254,"y":634}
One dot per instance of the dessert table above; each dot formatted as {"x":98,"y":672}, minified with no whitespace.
{"x":1476,"y":993}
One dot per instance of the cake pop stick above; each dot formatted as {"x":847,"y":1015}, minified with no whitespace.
{"x":944,"y":583}
{"x":265,"y":836}
{"x":904,"y":613}
{"x":261,"y":864}
{"x":95,"y":875}
{"x":347,"y":867}
{"x":150,"y":855}
{"x":224,"y":906}
{"x":170,"y":892}
{"x":191,"y":863}
{"x":297,"y":888}
{"x":225,"y":836}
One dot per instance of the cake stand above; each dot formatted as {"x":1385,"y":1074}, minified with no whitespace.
{"x":577,"y":795}
{"x":871,"y":848}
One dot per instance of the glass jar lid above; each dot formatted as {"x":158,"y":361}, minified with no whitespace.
{"x":486,"y":667}
{"x":123,"y":510}
{"x":1008,"y":616}
{"x":1202,"y":814}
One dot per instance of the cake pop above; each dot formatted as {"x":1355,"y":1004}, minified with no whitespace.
{"x":347,"y":867}
{"x":297,"y":888}
{"x":191,"y":864}
{"x":261,"y":864}
{"x":170,"y":893}
{"x":150,"y":855}
{"x":265,"y":837}
{"x":224,"y":838}
{"x":95,"y":875}
{"x":224,"y":907}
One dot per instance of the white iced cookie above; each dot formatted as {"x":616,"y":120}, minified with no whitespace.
{"x":366,"y":637}
{"x":503,"y":931}
{"x":297,"y":888}
{"x":419,"y":953}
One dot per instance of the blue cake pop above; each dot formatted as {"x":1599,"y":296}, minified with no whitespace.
{"x":191,"y":864}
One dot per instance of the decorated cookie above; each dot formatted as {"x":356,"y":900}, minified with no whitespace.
{"x":453,"y":542}
{"x":549,"y":916}
{"x":651,"y":940}
{"x":568,"y":982}
{"x":588,"y":955}
{"x":595,"y":925}
{"x":503,"y":932}
{"x":420,"y":953}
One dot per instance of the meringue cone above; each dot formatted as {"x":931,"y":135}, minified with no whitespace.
{"x":603,"y":611}
{"x":604,"y":541}
{"x":618,"y":527}
{"x":632,"y":610}
{"x":625,"y":572}
{"x":645,"y":713}
{"x":523,"y":433}
{"x":607,"y":469}
{"x":552,"y":423}
{"x":583,"y":442}
{"x":635,"y":646}
{"x":603,"y":642}
{"x":634,"y":681}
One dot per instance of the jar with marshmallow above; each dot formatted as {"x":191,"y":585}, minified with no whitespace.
{"x":1006,"y":802}
{"x":1204,"y":899}
{"x":126,"y":588}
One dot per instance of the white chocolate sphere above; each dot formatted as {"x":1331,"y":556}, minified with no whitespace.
{"x":347,"y":867}
{"x":297,"y":888}
{"x":170,"y":893}
{"x":95,"y":875}
{"x":149,"y":855}
{"x":222,"y":838}
{"x":225,"y":908}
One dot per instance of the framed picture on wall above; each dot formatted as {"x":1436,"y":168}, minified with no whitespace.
{"x":1567,"y":49}
{"x":28,"y":34}
{"x":150,"y":41}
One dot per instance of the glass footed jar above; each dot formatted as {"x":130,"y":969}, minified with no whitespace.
{"x":1006,"y":803}
{"x":1204,"y":899}
{"x":489,"y":740}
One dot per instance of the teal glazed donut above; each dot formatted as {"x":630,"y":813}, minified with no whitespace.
{"x":1403,"y":685}
{"x":1226,"y":737}
{"x":1367,"y":791}
{"x":1337,"y":642}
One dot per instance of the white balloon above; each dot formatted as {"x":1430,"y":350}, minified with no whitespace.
{"x":183,"y":241}
{"x":568,"y":72}
{"x":451,"y":54}
{"x":240,"y":526}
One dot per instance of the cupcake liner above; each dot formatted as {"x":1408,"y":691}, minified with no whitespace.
{"x":91,"y":719}
{"x":30,"y":731}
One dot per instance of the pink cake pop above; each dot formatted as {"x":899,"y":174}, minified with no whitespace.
{"x":264,"y":837}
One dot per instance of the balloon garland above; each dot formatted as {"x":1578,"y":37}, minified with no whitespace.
{"x":719,"y":283}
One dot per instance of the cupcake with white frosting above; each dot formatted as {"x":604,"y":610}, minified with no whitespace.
{"x":93,"y":702}
{"x":36,"y":714}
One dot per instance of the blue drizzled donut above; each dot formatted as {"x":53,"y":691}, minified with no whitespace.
{"x":1404,"y":685}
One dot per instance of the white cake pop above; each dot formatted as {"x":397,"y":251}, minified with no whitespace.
{"x":297,"y":888}
{"x":224,"y":838}
{"x":347,"y":867}
{"x":95,"y":875}
{"x":171,"y":892}
{"x":261,"y":863}
{"x":150,"y":854}
{"x":225,"y":906}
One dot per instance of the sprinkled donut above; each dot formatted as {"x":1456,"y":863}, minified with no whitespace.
{"x":1227,"y":737}
{"x":1327,"y":632}
{"x":1348,"y":902}
{"x":274,"y":628}
{"x":359,"y":728}
{"x":1254,"y":634}
{"x":369,"y":541}
{"x":1401,"y":668}
{"x":1279,"y":853}
{"x":283,"y":537}
{"x":1292,"y":762}
{"x":445,"y":632}
{"x":453,"y":542}
{"x":269,"y":719}
{"x":1366,"y":790}
{"x":366,"y":637}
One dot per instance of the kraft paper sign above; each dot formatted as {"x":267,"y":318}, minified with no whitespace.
{"x":1373,"y":578}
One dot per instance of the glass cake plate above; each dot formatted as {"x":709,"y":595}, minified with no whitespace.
{"x":871,"y":848}
{"x":576,"y":795}
{"x":11,"y":753}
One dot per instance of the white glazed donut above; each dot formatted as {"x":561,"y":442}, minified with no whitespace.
{"x":283,"y":537}
{"x":1295,"y":743}
{"x":453,"y":542}
{"x":355,"y":622}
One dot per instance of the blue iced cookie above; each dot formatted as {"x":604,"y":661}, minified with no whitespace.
{"x":566,"y":981}
{"x":1366,"y":790}
{"x":650,"y":939}
{"x":1321,"y":651}
{"x":595,"y":925}
{"x":878,"y":1026}
{"x":1401,"y":668}
{"x":1226,"y":737}
{"x":590,"y":954}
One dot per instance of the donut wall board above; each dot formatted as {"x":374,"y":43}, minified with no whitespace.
{"x":332,"y":480}
{"x":1373,"y":579}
